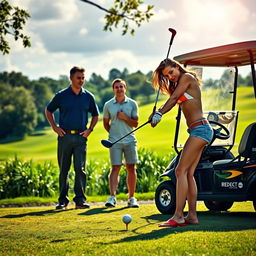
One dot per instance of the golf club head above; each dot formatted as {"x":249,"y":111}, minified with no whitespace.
{"x":106,"y":143}
{"x":173,"y":31}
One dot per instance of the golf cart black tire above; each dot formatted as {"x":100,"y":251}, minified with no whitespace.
{"x":218,"y":205}
{"x":165,"y":197}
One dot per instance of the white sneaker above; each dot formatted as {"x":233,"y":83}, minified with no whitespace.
{"x":132,"y":202}
{"x":111,"y":202}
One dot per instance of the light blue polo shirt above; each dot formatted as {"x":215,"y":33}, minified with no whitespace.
{"x":118,"y":127}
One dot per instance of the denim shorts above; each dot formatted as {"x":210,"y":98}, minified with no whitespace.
{"x":128,"y":149}
{"x":204,"y":132}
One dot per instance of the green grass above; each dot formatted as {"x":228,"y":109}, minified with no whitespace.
{"x":100,"y":231}
{"x":42,"y":145}
{"x":32,"y":201}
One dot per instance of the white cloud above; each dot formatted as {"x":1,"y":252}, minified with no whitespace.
{"x":83,"y":31}
{"x":7,"y":63}
{"x":51,"y":12}
{"x":162,"y":14}
{"x":68,"y":9}
{"x":24,"y":4}
{"x":214,"y":20}
{"x":121,"y":59}
{"x":67,"y":33}
{"x":115,"y":58}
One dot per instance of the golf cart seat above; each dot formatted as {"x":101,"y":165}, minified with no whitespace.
{"x":246,"y":150}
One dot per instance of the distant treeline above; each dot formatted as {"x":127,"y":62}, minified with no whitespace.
{"x":22,"y":101}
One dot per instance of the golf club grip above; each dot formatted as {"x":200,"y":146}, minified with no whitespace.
{"x":132,"y":131}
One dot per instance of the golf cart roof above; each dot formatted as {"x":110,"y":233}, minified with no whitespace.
{"x":237,"y":54}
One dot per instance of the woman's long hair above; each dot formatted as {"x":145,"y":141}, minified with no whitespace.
{"x":166,"y":86}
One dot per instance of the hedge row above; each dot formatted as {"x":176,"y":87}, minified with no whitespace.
{"x":27,"y":178}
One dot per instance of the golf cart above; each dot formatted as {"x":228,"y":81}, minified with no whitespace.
{"x":222,"y":178}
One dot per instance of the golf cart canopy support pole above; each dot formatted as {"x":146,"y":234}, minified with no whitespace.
{"x":253,"y":71}
{"x":235,"y":90}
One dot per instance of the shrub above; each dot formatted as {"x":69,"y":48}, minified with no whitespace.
{"x":19,"y":178}
{"x":97,"y":178}
{"x":25,"y":178}
{"x":149,"y":169}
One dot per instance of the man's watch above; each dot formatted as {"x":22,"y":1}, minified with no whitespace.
{"x":91,"y":129}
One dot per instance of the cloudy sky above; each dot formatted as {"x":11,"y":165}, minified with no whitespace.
{"x":67,"y":33}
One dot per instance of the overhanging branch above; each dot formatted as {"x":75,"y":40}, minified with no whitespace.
{"x":106,"y":10}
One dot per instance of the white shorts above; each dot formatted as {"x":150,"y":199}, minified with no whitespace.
{"x":129,"y":150}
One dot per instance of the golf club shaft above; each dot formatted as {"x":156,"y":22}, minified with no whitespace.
{"x":157,"y":95}
{"x":131,"y":132}
{"x":173,"y":31}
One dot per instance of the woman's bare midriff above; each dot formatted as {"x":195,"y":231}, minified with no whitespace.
{"x":192,"y":111}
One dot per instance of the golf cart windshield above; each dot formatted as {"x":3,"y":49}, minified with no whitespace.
{"x":226,"y":118}
{"x":216,"y":92}
{"x":218,"y":69}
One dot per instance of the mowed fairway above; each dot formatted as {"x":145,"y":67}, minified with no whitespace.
{"x":42,"y":145}
{"x":100,"y":231}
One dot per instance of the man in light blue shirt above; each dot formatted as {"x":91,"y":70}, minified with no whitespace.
{"x":120,"y":115}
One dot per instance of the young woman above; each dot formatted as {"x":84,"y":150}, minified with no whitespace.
{"x":182,"y":87}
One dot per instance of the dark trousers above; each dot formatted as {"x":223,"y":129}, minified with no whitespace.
{"x":68,"y":146}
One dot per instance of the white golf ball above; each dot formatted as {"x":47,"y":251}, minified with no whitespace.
{"x":127,"y":218}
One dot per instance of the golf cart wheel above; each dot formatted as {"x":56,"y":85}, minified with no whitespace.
{"x":218,"y":205}
{"x":165,"y":197}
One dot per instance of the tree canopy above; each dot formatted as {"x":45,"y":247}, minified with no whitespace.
{"x":17,"y":112}
{"x":124,"y":11}
{"x":12,"y":22}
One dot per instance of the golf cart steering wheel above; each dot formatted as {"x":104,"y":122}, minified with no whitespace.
{"x":217,"y":131}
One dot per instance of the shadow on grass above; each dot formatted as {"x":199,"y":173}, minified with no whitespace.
{"x":40,"y":213}
{"x":209,"y":222}
{"x":60,"y":240}
{"x":10,"y":140}
{"x":38,"y":134}
{"x":53,"y":211}
{"x":102,"y":210}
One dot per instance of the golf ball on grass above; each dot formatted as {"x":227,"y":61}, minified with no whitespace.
{"x":126,"y":220}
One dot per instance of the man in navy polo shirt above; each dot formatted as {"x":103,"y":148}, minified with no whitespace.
{"x":74,"y":104}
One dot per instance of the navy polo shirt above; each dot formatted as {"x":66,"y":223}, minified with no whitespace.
{"x":73,"y":108}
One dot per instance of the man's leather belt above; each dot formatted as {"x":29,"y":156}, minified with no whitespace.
{"x":72,"y":131}
{"x":199,"y":122}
